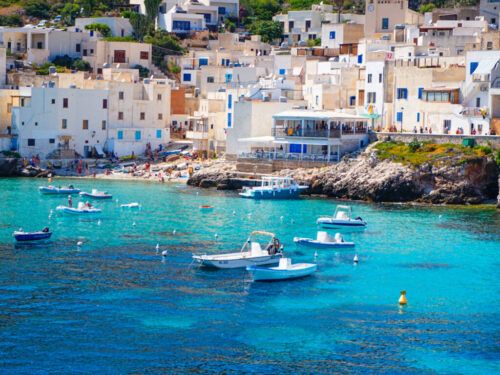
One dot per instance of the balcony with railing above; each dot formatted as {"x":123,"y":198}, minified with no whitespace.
{"x":290,"y":128}
{"x":475,"y":112}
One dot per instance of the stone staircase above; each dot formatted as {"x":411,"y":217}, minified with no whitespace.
{"x":255,"y":166}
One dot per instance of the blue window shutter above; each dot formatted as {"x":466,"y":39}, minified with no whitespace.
{"x":186,"y":77}
{"x":405,"y":93}
{"x":360,"y":59}
{"x":229,"y":101}
{"x":418,"y":116}
{"x":385,"y":23}
{"x":229,"y":120}
{"x":304,"y":149}
{"x":420,"y":91}
{"x":203,"y":61}
{"x":282,"y":71}
{"x":399,"y":116}
{"x":473,"y":66}
{"x":137,"y":135}
{"x":295,"y":148}
{"x":120,"y":134}
{"x":158,"y":133}
{"x":332,"y":34}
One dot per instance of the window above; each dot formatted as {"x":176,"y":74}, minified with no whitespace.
{"x":229,"y":77}
{"x":210,"y":79}
{"x":203,"y":61}
{"x":144,"y":55}
{"x":78,"y":47}
{"x":158,"y":97}
{"x":332,"y":34}
{"x":52,"y":140}
{"x":380,"y":78}
{"x":317,"y":99}
{"x":282,"y":72}
{"x":53,"y":101}
{"x":229,"y":101}
{"x":158,"y":133}
{"x":120,"y":115}
{"x":352,"y":101}
{"x":402,"y":93}
{"x":447,"y":124}
{"x":360,"y":59}
{"x":290,"y":25}
{"x":160,"y":116}
{"x":64,"y":124}
{"x":478,"y":102}
{"x":137,"y":135}
{"x":222,"y":10}
{"x":489,"y":45}
{"x":473,"y":66}
{"x":143,"y":115}
{"x":65,"y":103}
{"x":385,"y":23}
{"x":120,"y":134}
{"x":308,"y":24}
{"x":31,"y":142}
{"x":418,"y":116}
{"x":85,"y":124}
{"x":372,"y":97}
{"x":181,"y":25}
{"x":420,"y":91}
{"x":105,"y":103}
{"x":207,"y":17}
{"x":36,"y":123}
{"x":369,"y":78}
{"x":186,"y":77}
{"x":229,"y":120}
{"x":120,"y":95}
{"x":399,"y":116}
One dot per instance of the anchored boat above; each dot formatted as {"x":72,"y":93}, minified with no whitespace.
{"x":96,"y":194}
{"x":285,"y":270}
{"x":82,"y":209}
{"x":22,"y":236}
{"x":341,"y":218}
{"x":274,"y":188}
{"x":48,"y":190}
{"x":252,"y":253}
{"x":131,"y":206}
{"x":324,"y":240}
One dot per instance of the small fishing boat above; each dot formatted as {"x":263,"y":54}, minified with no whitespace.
{"x":341,"y":218}
{"x":324,"y":240}
{"x":285,"y":271}
{"x":274,"y":188}
{"x":206,"y":208}
{"x":22,"y":236}
{"x":131,"y":206}
{"x":96,"y":194}
{"x":251,"y":254}
{"x":82,"y":209}
{"x":47,"y":190}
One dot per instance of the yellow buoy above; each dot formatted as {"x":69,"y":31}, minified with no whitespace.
{"x":50,"y":180}
{"x":402,"y":299}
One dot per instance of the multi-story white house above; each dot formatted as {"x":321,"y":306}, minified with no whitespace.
{"x":119,"y":26}
{"x":490,"y":9}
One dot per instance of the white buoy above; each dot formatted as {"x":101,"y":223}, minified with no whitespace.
{"x":197,"y":193}
{"x":293,"y":221}
{"x":356,"y":260}
{"x":79,"y":243}
{"x":99,"y":222}
{"x":164,"y":253}
{"x":315,"y":254}
{"x":157,"y":247}
{"x":116,"y":200}
{"x":234,"y":212}
{"x":51,"y":212}
{"x":281,"y":218}
{"x":216,"y":236}
{"x":440,"y":216}
{"x":174,"y":232}
{"x":133,"y":224}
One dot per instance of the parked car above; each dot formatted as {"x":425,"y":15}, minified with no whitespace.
{"x":57,"y":19}
{"x":42,"y":23}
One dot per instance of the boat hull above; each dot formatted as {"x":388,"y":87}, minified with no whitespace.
{"x":237,"y":263}
{"x":35,"y":236}
{"x":75,"y":211}
{"x":89,"y":195}
{"x":322,"y":245}
{"x":257,"y":193}
{"x":274,"y":274}
{"x":335,"y":223}
{"x":48,"y":191}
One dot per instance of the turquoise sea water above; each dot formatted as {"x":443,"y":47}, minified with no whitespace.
{"x":116,"y":306}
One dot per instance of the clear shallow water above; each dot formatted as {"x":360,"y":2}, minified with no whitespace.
{"x":115,"y":306}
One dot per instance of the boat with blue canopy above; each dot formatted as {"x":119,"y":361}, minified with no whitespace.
{"x":324,"y":240}
{"x":274,"y":188}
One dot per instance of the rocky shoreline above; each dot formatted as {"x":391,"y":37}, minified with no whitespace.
{"x":457,"y":181}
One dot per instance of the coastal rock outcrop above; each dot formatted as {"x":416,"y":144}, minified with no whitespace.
{"x":8,"y":167}
{"x":31,"y":171}
{"x":456,"y":180}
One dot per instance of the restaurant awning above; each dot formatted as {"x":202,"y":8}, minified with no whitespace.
{"x":262,"y":139}
{"x":485,"y":66}
{"x":319,"y":142}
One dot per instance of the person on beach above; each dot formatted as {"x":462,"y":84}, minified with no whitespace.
{"x":70,"y":201}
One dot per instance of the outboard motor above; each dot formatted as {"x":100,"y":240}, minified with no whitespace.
{"x":45,"y":230}
{"x":359,"y":218}
{"x":339,"y":238}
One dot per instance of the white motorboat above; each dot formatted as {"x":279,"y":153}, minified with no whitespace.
{"x":96,"y":194}
{"x":274,"y":188}
{"x":341,"y":218}
{"x":130,"y":206}
{"x":285,"y":270}
{"x":251,"y":254}
{"x":324,"y":240}
{"x":53,"y":190}
{"x":82,"y":209}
